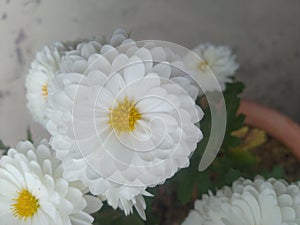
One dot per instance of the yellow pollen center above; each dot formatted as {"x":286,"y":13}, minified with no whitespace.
{"x":123,"y":118}
{"x":202,"y":65}
{"x":25,"y":205}
{"x":45,"y":90}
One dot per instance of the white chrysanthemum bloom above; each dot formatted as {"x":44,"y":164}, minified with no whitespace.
{"x":33,"y":191}
{"x":212,"y":65}
{"x":258,"y":202}
{"x":43,"y":69}
{"x":47,"y":65}
{"x":119,"y":123}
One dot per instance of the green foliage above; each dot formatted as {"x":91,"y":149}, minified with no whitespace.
{"x":3,"y":147}
{"x":232,"y":175}
{"x":241,"y":158}
{"x":234,"y":121}
{"x":109,"y":216}
{"x":277,"y":172}
{"x":29,"y":135}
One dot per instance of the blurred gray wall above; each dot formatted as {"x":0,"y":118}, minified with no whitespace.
{"x":265,"y":34}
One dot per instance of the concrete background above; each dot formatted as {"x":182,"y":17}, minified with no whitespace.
{"x":265,"y":34}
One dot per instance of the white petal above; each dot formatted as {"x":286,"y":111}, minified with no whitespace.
{"x":134,"y":70}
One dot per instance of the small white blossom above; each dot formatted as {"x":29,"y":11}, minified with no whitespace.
{"x":34,"y":192}
{"x":213,"y":66}
{"x":43,"y":69}
{"x":258,"y":202}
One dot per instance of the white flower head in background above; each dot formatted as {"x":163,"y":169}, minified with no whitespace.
{"x":210,"y":64}
{"x":46,"y":66}
{"x":119,"y":123}
{"x":43,"y":69}
{"x":263,"y":202}
{"x":33,"y":191}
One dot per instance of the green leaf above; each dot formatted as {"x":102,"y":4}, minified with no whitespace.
{"x":232,"y":101}
{"x":232,"y":175}
{"x":242,"y":158}
{"x":29,"y":135}
{"x":186,"y":186}
{"x":277,"y":172}
{"x":4,"y":147}
{"x":204,"y":183}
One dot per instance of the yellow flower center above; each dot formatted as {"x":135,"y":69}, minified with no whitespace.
{"x":25,"y":205}
{"x":45,"y":90}
{"x":202,"y":65}
{"x":123,"y":118}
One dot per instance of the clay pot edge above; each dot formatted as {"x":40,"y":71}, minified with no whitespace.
{"x":274,"y":123}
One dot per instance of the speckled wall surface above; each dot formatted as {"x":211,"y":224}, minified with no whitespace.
{"x":264,"y":33}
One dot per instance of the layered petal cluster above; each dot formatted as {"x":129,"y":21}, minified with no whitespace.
{"x":247,"y":202}
{"x":119,"y":121}
{"x":34,"y":192}
{"x":45,"y":66}
{"x":213,"y":66}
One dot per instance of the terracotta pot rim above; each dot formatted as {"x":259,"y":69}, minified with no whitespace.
{"x":274,"y":123}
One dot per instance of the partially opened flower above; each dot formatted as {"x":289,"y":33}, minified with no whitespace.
{"x":119,"y":123}
{"x":258,"y":202}
{"x":33,"y":191}
{"x":43,"y":69}
{"x":46,"y":66}
{"x":213,"y":66}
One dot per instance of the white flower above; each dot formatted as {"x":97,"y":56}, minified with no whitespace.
{"x":212,"y":65}
{"x":33,"y":191}
{"x":47,"y":65}
{"x":258,"y":202}
{"x":43,"y":69}
{"x":119,"y":123}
